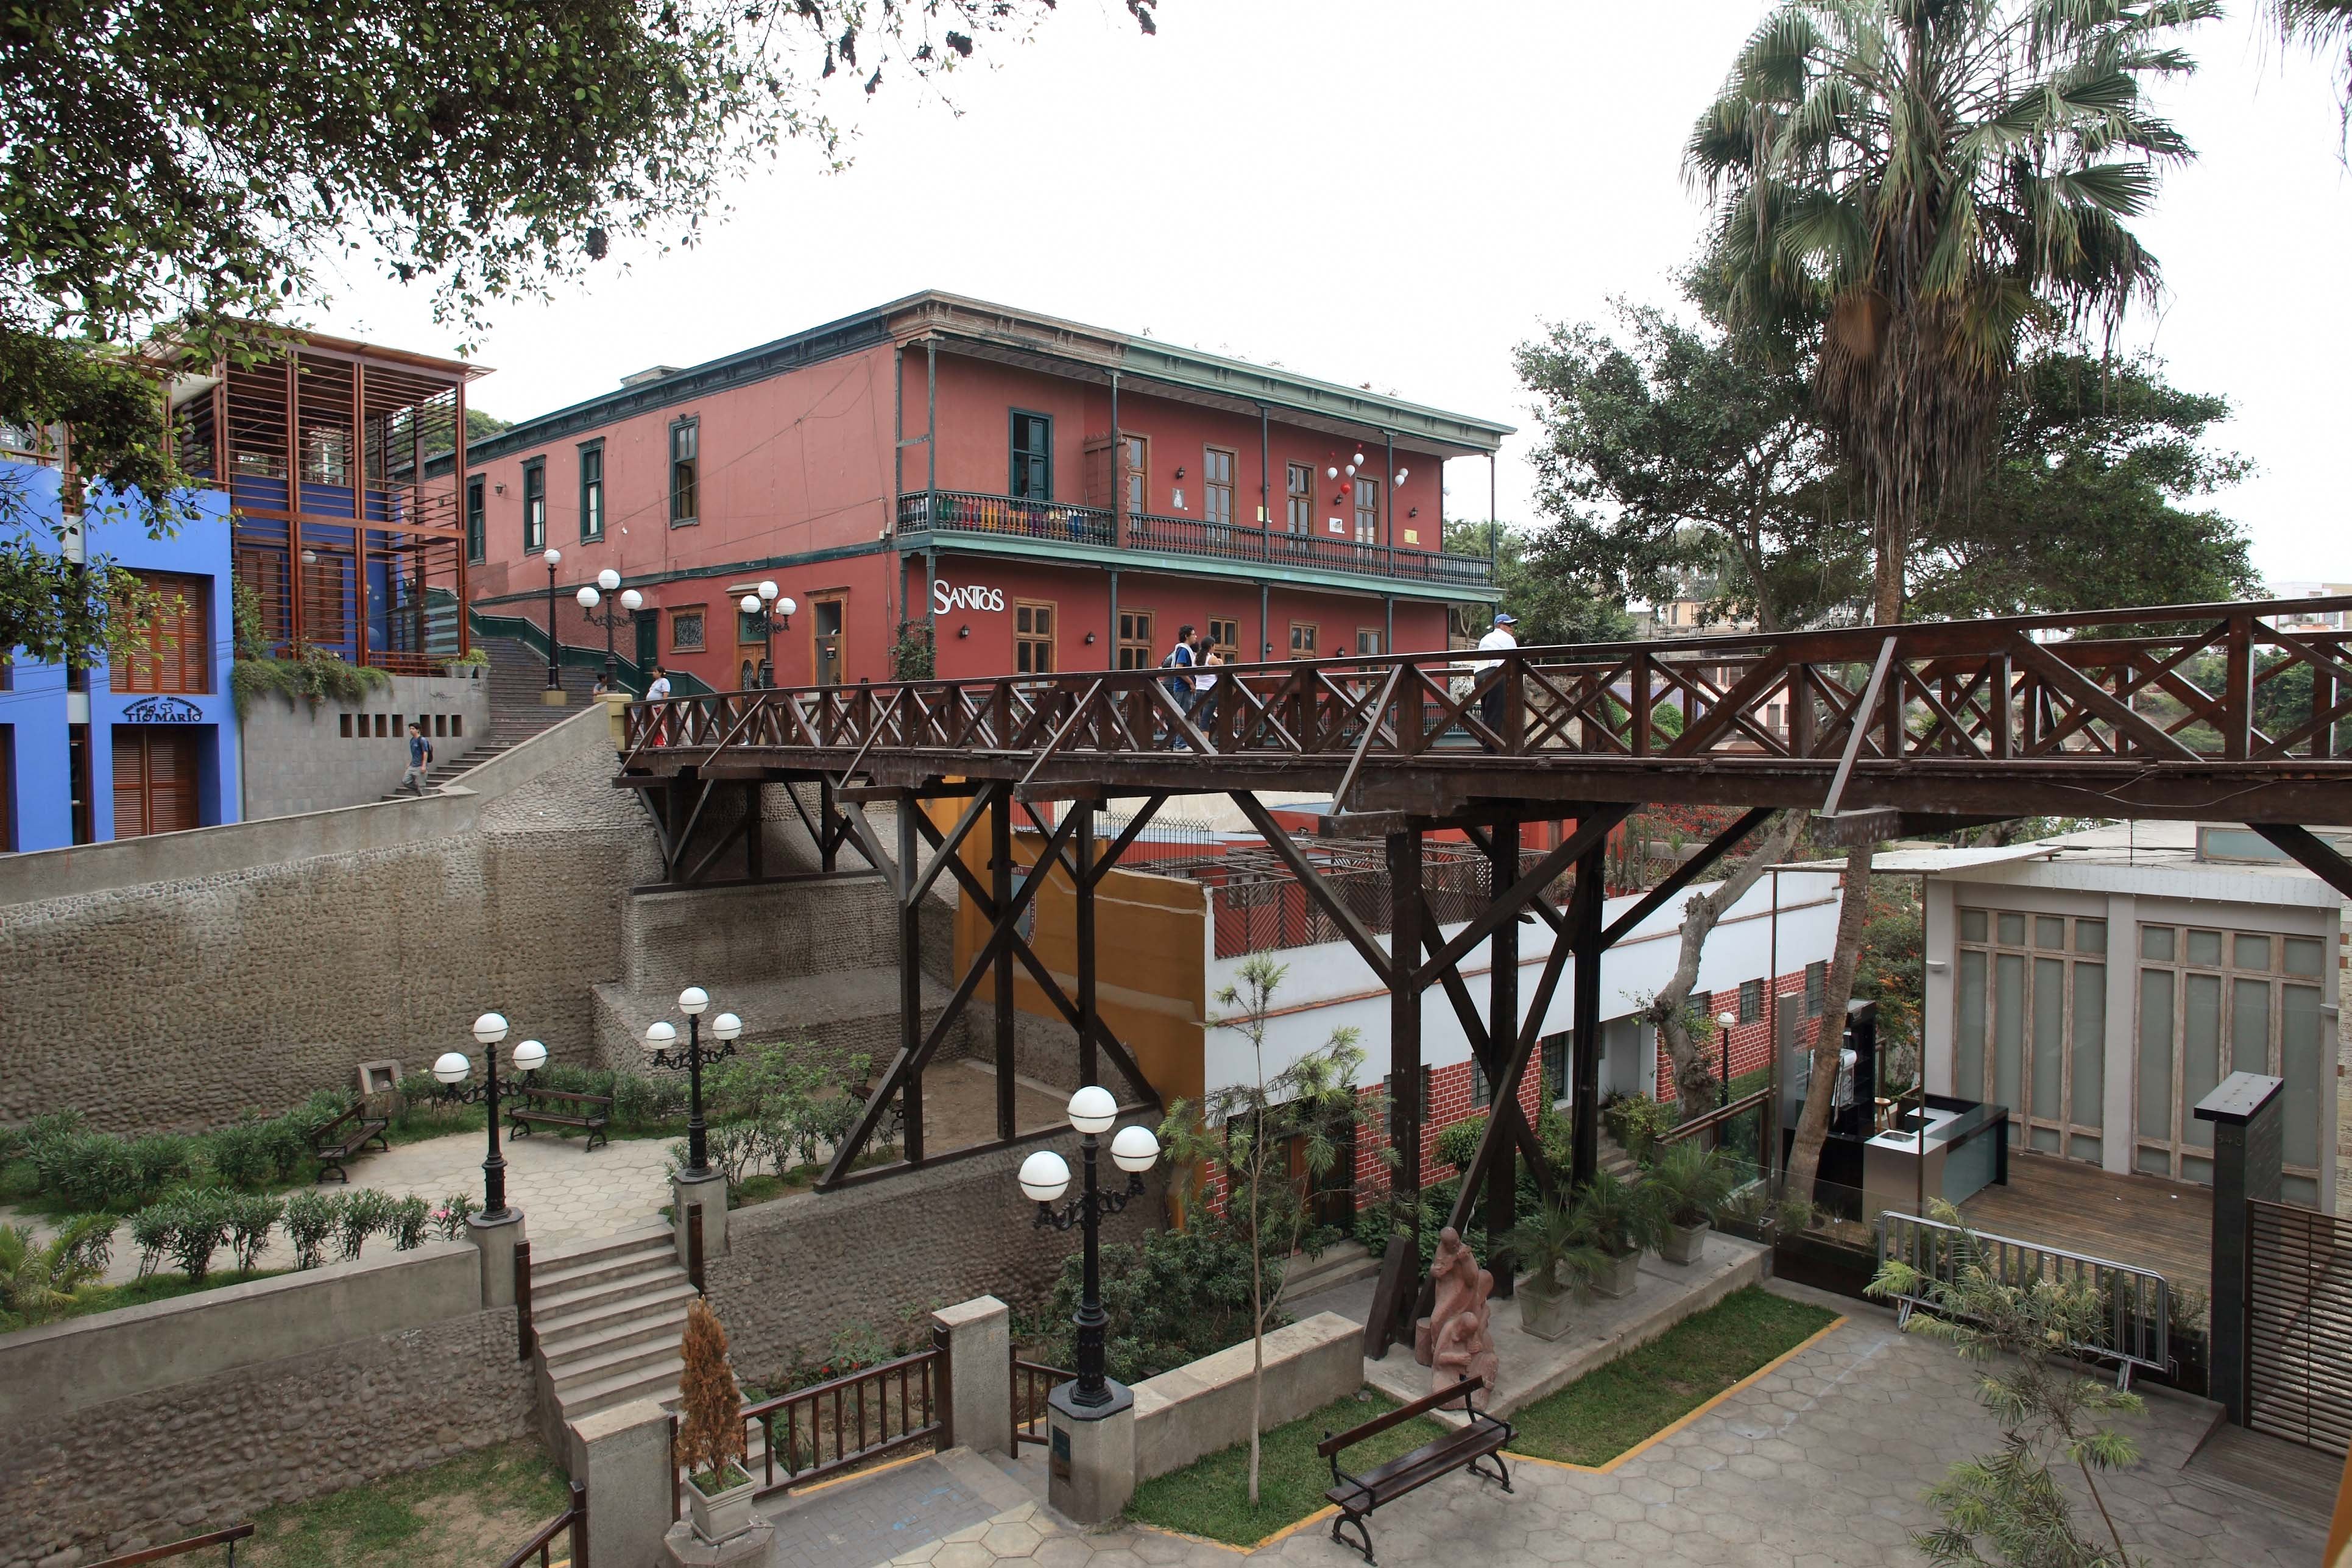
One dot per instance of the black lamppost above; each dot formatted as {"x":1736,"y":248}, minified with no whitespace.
{"x":454,"y":1068}
{"x":661,"y":1048}
{"x":762,"y":610}
{"x":1045,"y":1177}
{"x":631,"y":602}
{"x":553,"y":558}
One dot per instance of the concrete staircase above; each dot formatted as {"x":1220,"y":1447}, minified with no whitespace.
{"x":610,"y":1315}
{"x":1613,"y":1159}
{"x":516,"y":678}
{"x":1341,"y":1263}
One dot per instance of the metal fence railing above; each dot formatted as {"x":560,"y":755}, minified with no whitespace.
{"x":1257,"y":904}
{"x":2140,"y":1306}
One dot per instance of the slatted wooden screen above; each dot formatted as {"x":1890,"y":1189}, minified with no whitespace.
{"x":154,"y":780}
{"x":177,"y":653}
{"x":2299,"y":1325}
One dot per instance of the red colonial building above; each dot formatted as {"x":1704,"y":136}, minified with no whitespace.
{"x":942,"y":467}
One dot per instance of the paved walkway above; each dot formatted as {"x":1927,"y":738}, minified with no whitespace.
{"x":1821,"y":1464}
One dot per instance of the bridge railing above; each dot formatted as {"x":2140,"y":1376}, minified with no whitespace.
{"x":2170,"y":684}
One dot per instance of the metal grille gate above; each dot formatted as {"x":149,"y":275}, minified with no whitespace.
{"x":2299,"y":1324}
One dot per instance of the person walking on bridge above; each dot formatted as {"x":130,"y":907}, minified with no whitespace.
{"x":1491,"y":701}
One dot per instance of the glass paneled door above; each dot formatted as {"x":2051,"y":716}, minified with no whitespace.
{"x":2030,"y":1026}
{"x":2216,"y":1002}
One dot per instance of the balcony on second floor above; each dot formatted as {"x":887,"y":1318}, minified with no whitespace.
{"x":1084,"y":531}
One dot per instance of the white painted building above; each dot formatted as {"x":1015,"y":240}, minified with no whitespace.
{"x":2100,"y":983}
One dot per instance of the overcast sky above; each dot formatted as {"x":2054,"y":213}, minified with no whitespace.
{"x":1400,"y":193}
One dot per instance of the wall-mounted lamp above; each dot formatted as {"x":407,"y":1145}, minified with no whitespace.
{"x":501,"y":488}
{"x":1937,"y":966}
{"x":1090,"y":639}
{"x":1412,"y":512}
{"x":963,"y":631}
{"x":1180,"y":473}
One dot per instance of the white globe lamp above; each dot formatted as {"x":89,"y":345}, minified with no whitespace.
{"x":530,"y":1056}
{"x":726,"y":1026}
{"x":1135,"y":1150}
{"x":693,"y":1001}
{"x":609,"y":579}
{"x":1044,"y":1176}
{"x":489,"y":1028}
{"x":661,"y":1034}
{"x":1092,"y":1109}
{"x":588,"y":597}
{"x":451,"y":1067}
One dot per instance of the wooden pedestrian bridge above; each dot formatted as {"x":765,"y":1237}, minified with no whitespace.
{"x":2232,"y":711}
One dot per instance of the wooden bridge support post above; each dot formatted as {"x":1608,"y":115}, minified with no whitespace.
{"x":1404,"y":1014}
{"x":1502,"y":1029}
{"x":755,"y":838}
{"x":828,"y":818}
{"x":1000,"y":869}
{"x":1090,"y":1060}
{"x":910,"y":966}
{"x":1584,"y":931}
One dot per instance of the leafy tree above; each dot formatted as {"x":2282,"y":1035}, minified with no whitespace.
{"x":1675,"y":452}
{"x":2049,"y":1413}
{"x":1556,"y":600}
{"x":1931,"y":185}
{"x":2081,"y":507}
{"x":1249,"y":1131}
{"x":197,"y":169}
{"x":481,"y":427}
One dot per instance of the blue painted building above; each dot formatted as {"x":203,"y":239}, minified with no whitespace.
{"x":145,"y":745}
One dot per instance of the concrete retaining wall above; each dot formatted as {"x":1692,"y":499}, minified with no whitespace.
{"x":299,"y":756}
{"x":55,"y":1370}
{"x":883,"y":1254}
{"x":1203,"y":1406}
{"x":131,"y":1428}
{"x":175,"y":981}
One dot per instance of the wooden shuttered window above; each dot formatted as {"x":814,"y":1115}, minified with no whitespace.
{"x":154,"y":780}
{"x":176,"y":655}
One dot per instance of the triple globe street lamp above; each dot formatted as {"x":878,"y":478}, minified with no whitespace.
{"x":1045,"y":1177}
{"x":629,"y":603}
{"x":761,"y":611}
{"x":555,"y":558}
{"x":455,"y":1069}
{"x":661,"y":1049}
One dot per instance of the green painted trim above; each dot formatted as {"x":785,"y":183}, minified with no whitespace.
{"x":724,"y":569}
{"x":573,"y":657}
{"x":1153,"y":564}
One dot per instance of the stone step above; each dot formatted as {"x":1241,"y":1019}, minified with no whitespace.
{"x":554,"y":1289}
{"x":579,"y":1347}
{"x":658,"y":1382}
{"x":1341,"y":1262}
{"x":601,"y":1294}
{"x":596,"y":1307}
{"x":629,"y":1360}
{"x":591,"y":1249}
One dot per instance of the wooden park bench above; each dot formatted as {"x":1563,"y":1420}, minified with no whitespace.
{"x":345,"y":1137}
{"x":1357,"y":1496}
{"x":546,"y":1108}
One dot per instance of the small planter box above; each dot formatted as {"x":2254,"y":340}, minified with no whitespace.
{"x":720,"y":1517}
{"x":1544,"y":1312}
{"x":1684,"y":1243}
{"x":1618,"y":1280}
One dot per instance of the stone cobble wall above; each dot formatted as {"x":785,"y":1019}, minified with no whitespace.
{"x":204,"y":1454}
{"x":182,"y":1003}
{"x":800,"y":1269}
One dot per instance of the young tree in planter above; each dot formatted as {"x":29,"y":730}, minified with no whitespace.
{"x":1251,"y":1131}
{"x":2049,"y":1413}
{"x":711,"y":1438}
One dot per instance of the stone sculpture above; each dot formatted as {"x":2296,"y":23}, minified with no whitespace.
{"x":1454,"y":1341}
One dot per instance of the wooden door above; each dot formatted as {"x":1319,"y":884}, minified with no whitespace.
{"x":828,"y":620}
{"x":154,"y":780}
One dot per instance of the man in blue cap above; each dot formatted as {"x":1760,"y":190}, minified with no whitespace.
{"x":1491,"y":701}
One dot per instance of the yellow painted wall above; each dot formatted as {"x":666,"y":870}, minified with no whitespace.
{"x":1151,"y":935}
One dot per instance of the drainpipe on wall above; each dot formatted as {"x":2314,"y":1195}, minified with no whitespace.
{"x":1111,"y":637}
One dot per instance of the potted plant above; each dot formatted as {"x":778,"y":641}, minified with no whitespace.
{"x":711,"y":1437}
{"x":1689,"y":1184}
{"x":1618,"y":1220}
{"x":470,"y":666}
{"x":1557,"y":1259}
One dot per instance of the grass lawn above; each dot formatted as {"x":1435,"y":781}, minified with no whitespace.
{"x":1613,"y":1407}
{"x":459,"y":1514}
{"x":1211,"y":1496}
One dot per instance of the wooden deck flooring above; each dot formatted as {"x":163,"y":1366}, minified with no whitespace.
{"x":2144,"y":1221}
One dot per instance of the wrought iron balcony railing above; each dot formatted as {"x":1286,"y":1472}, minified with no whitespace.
{"x":963,"y":511}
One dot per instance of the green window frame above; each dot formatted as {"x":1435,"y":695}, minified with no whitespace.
{"x":477,"y":533}
{"x":534,"y":505}
{"x":685,"y":472}
{"x":1030,"y":456}
{"x":591,"y":490}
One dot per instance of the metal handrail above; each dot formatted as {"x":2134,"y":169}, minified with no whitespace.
{"x":922,"y":1412}
{"x":573,"y":1520}
{"x":1716,"y":1118}
{"x":1028,"y":1401}
{"x":2139,"y":1301}
{"x":231,"y":1536}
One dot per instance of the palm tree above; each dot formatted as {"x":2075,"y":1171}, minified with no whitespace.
{"x":2324,"y":27}
{"x":1933,"y":182}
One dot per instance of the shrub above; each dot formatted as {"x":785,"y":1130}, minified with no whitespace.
{"x":362,"y":1214}
{"x":241,"y":1152}
{"x":250,"y":1216}
{"x":151,"y":1231}
{"x":1458,"y":1144}
{"x":449,"y":1218}
{"x":411,"y":1217}
{"x":1173,"y":1298}
{"x":200,"y":1226}
{"x":711,"y":1433}
{"x":160,"y":1163}
{"x":1637,"y":1123}
{"x":310,"y":1218}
